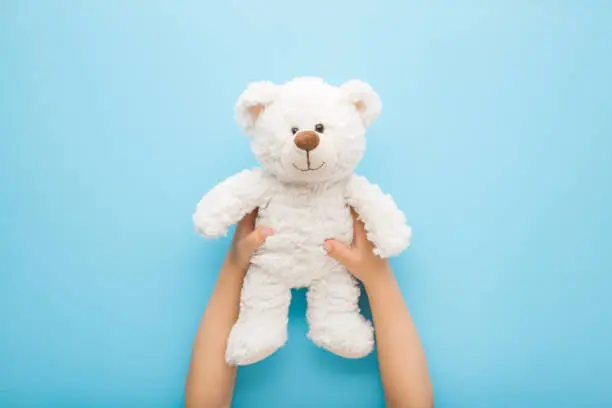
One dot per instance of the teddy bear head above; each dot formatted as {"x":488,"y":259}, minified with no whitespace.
{"x":307,"y":130}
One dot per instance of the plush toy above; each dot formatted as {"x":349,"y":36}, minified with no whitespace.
{"x":308,"y":137}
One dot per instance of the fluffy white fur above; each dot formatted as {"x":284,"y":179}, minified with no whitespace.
{"x":305,"y":199}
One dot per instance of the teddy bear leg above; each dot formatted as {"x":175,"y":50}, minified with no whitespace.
{"x":335,"y":320}
{"x":261,"y":327}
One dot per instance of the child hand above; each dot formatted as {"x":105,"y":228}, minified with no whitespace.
{"x":246,"y":240}
{"x":359,"y":258}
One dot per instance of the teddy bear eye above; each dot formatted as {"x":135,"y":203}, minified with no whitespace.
{"x":294,"y":130}
{"x":319,"y":127}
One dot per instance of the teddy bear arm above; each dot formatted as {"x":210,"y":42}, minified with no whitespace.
{"x":229,"y":201}
{"x":385,"y":223}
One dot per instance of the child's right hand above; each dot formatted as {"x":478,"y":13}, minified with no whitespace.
{"x":359,"y":258}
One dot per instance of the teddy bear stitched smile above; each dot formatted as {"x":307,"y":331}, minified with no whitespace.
{"x":307,"y":141}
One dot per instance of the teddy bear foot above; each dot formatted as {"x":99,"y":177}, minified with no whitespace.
{"x":349,"y":336}
{"x":252,"y":341}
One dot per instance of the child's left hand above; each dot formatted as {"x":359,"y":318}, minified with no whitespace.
{"x":246,"y":240}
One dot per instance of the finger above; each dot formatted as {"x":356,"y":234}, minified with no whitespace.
{"x":360,"y":237}
{"x":255,"y":239}
{"x":247,"y":223}
{"x":339,"y":251}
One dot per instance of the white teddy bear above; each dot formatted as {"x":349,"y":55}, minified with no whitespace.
{"x":308,"y":137}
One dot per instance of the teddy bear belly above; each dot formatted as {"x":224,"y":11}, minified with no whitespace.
{"x":294,"y":253}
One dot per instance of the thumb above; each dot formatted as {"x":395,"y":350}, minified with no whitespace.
{"x":339,"y":251}
{"x":256,"y":238}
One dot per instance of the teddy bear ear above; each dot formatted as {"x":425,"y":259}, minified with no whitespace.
{"x":253,"y":101}
{"x":364,"y":98}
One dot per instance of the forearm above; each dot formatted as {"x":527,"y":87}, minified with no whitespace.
{"x":402,"y":361}
{"x":210,"y":381}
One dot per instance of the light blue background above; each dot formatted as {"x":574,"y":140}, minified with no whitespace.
{"x":495,"y":139}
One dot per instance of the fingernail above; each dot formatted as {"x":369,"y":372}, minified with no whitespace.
{"x":267,"y":231}
{"x":327,"y":245}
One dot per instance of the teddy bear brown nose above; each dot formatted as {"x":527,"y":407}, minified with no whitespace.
{"x":307,"y":140}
